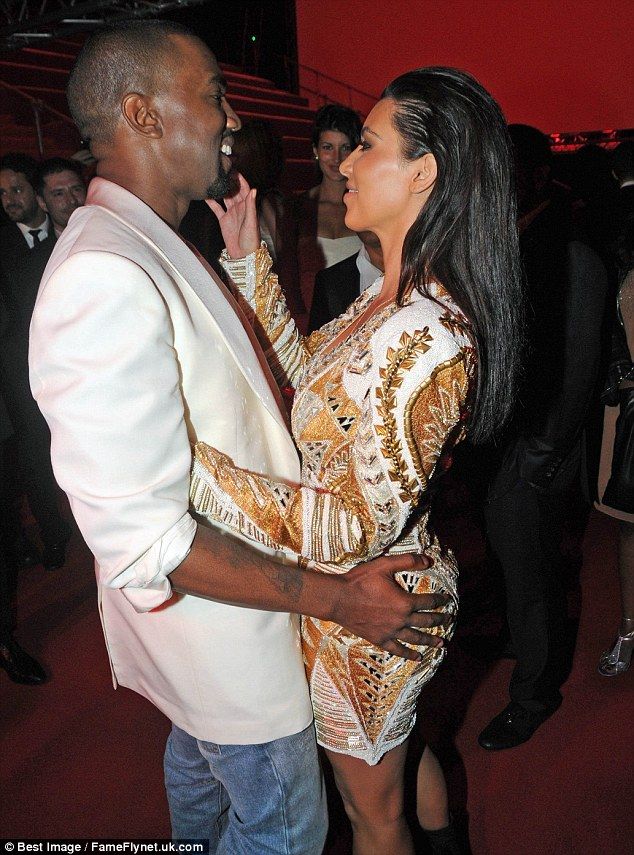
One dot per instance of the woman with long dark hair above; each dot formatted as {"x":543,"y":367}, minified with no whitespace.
{"x":424,"y":357}
{"x":323,"y":238}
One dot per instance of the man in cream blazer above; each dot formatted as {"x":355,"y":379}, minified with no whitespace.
{"x":138,"y":351}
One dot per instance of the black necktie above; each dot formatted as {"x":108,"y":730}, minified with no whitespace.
{"x":35,"y":234}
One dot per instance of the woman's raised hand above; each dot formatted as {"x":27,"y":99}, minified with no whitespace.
{"x":239,"y":222}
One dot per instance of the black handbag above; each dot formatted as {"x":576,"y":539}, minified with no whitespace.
{"x":619,"y":493}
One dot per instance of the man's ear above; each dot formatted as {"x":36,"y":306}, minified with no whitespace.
{"x":424,"y":174}
{"x":41,"y":203}
{"x":141,"y":115}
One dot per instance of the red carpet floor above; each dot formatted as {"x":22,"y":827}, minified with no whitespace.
{"x":79,"y":760}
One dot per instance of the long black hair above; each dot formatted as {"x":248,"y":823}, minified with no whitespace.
{"x":465,"y":237}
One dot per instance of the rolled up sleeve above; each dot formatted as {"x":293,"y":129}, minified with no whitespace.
{"x":145,"y":582}
{"x":105,"y":373}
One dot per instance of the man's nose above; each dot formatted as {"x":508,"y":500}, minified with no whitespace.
{"x":233,"y":120}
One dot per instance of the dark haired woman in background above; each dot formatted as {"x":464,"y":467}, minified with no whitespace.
{"x":425,"y":356}
{"x":323,"y":238}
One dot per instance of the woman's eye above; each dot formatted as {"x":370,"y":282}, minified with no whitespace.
{"x":364,"y":145}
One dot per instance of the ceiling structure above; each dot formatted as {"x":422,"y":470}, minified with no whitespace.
{"x":28,"y":22}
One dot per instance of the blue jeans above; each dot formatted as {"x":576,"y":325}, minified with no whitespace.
{"x":265,"y":799}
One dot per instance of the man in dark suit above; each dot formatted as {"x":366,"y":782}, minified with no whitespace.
{"x":338,"y":286}
{"x":25,"y":247}
{"x":537,"y":466}
{"x":20,"y":667}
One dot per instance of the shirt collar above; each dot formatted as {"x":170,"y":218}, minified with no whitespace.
{"x":368,"y":273}
{"x":43,"y":229}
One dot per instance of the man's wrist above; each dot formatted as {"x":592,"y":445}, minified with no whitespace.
{"x":327,"y":594}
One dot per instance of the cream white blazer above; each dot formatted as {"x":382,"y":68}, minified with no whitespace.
{"x":137,"y":351}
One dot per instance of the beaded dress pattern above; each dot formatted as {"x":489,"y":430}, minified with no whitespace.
{"x":372,"y":419}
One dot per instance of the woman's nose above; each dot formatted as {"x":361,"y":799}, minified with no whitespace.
{"x":344,"y":168}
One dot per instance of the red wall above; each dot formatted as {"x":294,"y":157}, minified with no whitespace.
{"x":566,"y":66}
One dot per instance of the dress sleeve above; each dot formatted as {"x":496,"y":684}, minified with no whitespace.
{"x":262,"y":299}
{"x":419,"y":409}
{"x":415,"y":403}
{"x":317,"y":525}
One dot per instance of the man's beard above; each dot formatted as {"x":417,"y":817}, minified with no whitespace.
{"x":15,"y":216}
{"x":222,"y":186}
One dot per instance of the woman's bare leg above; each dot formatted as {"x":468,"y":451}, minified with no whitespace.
{"x":373,"y":799}
{"x":431,"y":793}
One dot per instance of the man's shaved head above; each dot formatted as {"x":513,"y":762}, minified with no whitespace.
{"x":129,"y":57}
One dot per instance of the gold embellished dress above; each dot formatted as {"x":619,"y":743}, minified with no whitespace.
{"x":371,"y":419}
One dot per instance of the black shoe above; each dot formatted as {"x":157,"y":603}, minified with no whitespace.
{"x":513,"y":726}
{"x":54,"y":556}
{"x":20,"y":667}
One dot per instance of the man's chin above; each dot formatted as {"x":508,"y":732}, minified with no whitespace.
{"x":224,"y":185}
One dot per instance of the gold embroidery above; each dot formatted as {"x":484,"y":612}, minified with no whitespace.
{"x":439,"y":413}
{"x":399,"y":361}
{"x":454,"y":325}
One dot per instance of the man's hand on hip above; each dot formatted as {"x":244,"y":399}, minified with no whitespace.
{"x":374,"y":606}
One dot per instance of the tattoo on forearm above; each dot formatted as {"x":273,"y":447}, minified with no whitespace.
{"x":287,"y":580}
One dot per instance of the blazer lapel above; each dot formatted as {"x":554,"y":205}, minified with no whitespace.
{"x":191,"y":270}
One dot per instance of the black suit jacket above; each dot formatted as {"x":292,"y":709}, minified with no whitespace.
{"x":6,"y":428}
{"x":567,"y":285}
{"x":626,"y":197}
{"x":21,"y":270}
{"x":335,"y":289}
